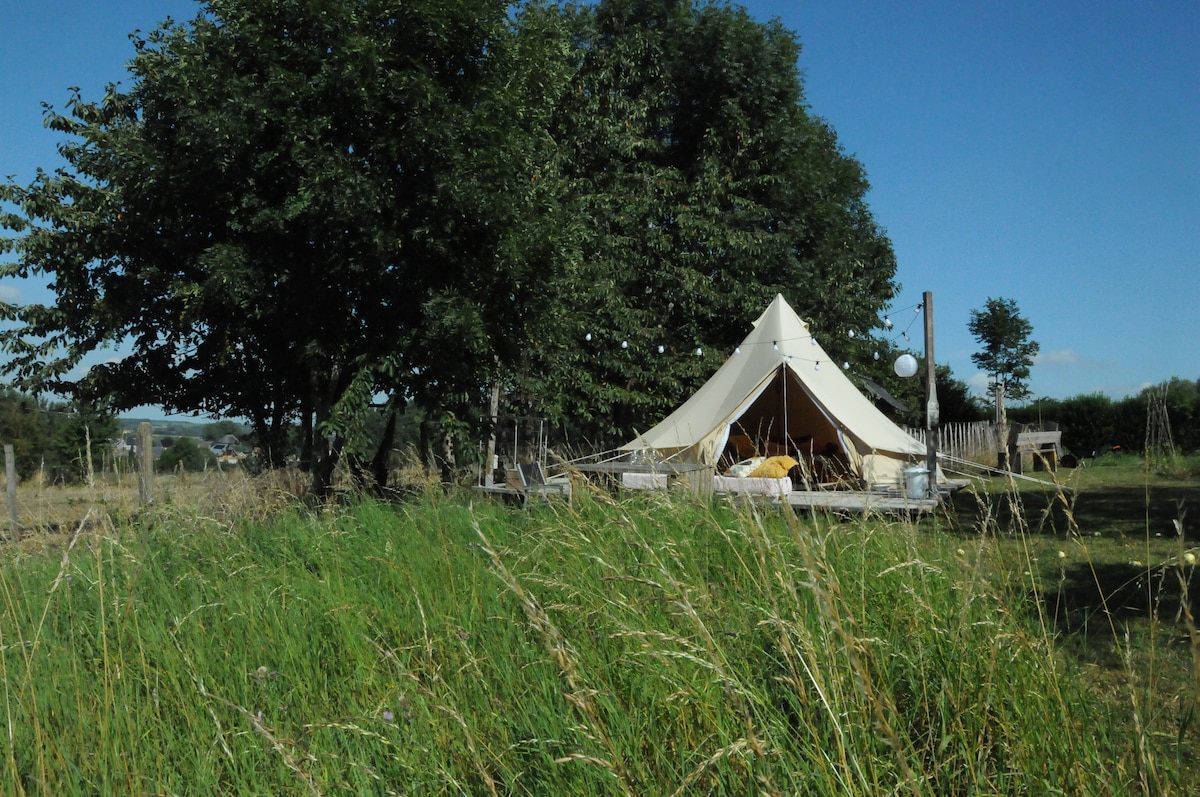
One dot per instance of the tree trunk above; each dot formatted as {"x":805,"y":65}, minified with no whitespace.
{"x":425,"y":444}
{"x":325,"y":448}
{"x":379,"y":463}
{"x":272,"y":442}
{"x":306,"y":439}
{"x":449,"y":461}
{"x":324,"y":465}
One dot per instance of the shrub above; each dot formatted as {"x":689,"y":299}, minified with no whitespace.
{"x":1181,"y":467}
{"x":185,"y":452}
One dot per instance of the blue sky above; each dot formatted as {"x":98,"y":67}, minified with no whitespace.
{"x":1045,"y":152}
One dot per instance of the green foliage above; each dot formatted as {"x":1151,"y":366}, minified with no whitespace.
{"x":217,"y":430}
{"x":1007,"y":353}
{"x":24,"y":423}
{"x":297,"y":208}
{"x":1182,"y":467}
{"x":284,"y":206}
{"x":1094,"y":423}
{"x":54,"y":436}
{"x":185,"y":453}
{"x":1182,"y":400}
{"x":701,"y":187}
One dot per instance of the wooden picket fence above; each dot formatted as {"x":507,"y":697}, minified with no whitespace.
{"x":975,"y":442}
{"x":145,"y":477}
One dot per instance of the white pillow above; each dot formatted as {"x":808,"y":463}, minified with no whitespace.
{"x":746,"y":467}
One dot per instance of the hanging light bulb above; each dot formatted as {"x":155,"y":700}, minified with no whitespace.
{"x":624,"y":344}
{"x":845,"y":366}
{"x":876,"y":355}
{"x":737,"y":349}
{"x":887,"y":322}
{"x":775,"y":345}
{"x":817,"y":366}
{"x":813,"y":340}
{"x":699,"y":351}
{"x":588,"y":336}
{"x":852,"y":333}
{"x":661,"y":348}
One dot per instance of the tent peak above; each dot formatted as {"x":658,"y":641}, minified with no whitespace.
{"x":779,"y":313}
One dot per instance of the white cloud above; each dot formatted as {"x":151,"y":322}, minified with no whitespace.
{"x":978,"y":383}
{"x":1058,"y":357}
{"x":81,"y":369}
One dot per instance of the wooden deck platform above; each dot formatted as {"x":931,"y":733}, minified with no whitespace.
{"x":887,"y":502}
{"x":849,"y":501}
{"x":525,"y":496}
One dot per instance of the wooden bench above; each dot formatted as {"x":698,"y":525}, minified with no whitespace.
{"x":1045,"y":447}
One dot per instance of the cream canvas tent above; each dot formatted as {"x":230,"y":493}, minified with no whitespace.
{"x":780,"y":392}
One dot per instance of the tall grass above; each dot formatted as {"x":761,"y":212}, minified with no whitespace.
{"x":658,"y":646}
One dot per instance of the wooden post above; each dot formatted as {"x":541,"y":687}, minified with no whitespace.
{"x":87,"y":453}
{"x":932,"y":410}
{"x":1013,"y":451}
{"x":145,"y":463}
{"x":10,"y":475}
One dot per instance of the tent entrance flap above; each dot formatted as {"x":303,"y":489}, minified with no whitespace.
{"x":784,"y":419}
{"x":709,"y":449}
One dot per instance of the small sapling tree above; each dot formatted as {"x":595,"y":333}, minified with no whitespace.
{"x":1007,"y":353}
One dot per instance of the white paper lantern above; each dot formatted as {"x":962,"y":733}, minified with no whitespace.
{"x":905,"y":366}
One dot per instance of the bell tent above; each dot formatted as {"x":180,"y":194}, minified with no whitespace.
{"x":780,"y":393}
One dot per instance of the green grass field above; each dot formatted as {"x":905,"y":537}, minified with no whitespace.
{"x":1025,"y":640}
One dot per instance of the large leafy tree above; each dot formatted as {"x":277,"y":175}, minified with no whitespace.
{"x":302,"y":206}
{"x":1007,"y":353}
{"x":702,"y":185}
{"x":298,"y":206}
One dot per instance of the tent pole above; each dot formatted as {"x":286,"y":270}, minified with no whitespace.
{"x":787,"y":434}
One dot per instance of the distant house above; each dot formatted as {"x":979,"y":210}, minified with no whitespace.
{"x":126,"y":446}
{"x":123,"y":446}
{"x":225,"y":445}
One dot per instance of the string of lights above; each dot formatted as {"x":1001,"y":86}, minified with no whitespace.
{"x":905,"y":365}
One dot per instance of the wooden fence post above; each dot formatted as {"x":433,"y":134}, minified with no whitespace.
{"x":10,"y":474}
{"x":88,"y":467}
{"x":145,"y":463}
